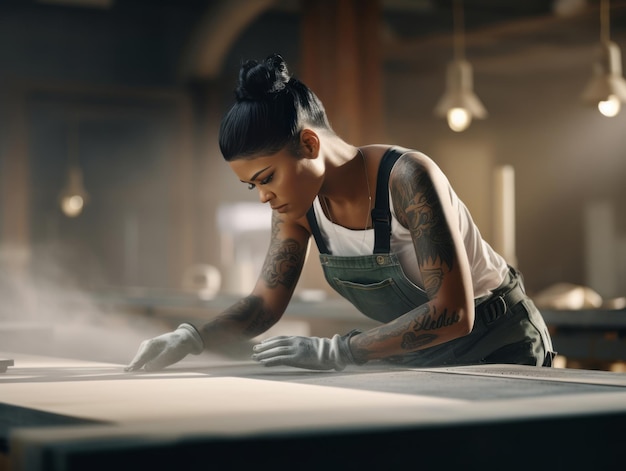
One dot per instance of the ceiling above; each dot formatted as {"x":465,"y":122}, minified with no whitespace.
{"x":411,"y":28}
{"x":408,"y":18}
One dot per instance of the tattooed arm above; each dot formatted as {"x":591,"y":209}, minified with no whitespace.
{"x":260,"y":310}
{"x":422,"y":204}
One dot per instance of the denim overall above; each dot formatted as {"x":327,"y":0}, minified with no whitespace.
{"x":508,"y":328}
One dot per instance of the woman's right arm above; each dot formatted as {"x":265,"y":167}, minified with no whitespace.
{"x":267,"y":302}
{"x":247,"y":318}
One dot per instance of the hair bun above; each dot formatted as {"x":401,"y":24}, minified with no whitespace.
{"x":261,"y":80}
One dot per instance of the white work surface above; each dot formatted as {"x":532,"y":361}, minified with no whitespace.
{"x":102,"y":392}
{"x":206,"y":399}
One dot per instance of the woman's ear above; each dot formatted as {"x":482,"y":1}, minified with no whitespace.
{"x":309,"y":143}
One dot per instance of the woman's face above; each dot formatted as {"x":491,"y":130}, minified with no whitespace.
{"x":288,"y":183}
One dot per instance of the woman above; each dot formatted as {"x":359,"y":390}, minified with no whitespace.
{"x":394,"y":239}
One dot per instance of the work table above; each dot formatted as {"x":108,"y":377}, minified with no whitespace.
{"x":96,"y":414}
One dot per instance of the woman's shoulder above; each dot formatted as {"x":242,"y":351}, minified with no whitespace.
{"x":412,"y":161}
{"x":378,"y":151}
{"x":410,"y":166}
{"x":416,"y":168}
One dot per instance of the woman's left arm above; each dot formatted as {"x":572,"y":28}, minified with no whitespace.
{"x":421,"y":200}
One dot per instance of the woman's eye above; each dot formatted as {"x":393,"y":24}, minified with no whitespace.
{"x":265,"y":181}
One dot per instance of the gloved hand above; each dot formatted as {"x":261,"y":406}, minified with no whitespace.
{"x":313,"y":353}
{"x":167,"y":349}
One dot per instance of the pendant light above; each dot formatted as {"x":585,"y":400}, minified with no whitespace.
{"x":73,"y":197}
{"x":459,"y":103}
{"x":607,"y":87}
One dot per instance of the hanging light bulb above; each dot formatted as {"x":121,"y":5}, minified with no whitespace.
{"x":607,"y":88}
{"x":610,"y":107}
{"x":459,"y":119}
{"x":73,"y":197}
{"x":459,"y":104}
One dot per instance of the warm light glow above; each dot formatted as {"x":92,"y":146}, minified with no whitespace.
{"x":459,"y":119}
{"x":73,"y":197}
{"x":72,"y":205}
{"x":610,"y":107}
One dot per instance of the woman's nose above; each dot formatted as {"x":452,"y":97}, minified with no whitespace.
{"x":265,"y":195}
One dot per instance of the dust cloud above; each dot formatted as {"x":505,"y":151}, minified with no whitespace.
{"x":47,"y":310}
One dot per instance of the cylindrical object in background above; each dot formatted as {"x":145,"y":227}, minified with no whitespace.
{"x":504,"y":213}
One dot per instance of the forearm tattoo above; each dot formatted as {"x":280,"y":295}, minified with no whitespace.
{"x":245,"y":318}
{"x":433,"y":321}
{"x":406,"y":329}
{"x":411,"y":342}
{"x":284,"y":260}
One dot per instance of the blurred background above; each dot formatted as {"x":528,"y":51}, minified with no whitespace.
{"x":113,"y":191}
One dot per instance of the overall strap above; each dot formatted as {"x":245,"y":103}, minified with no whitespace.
{"x":315,"y":228}
{"x":381,"y":215}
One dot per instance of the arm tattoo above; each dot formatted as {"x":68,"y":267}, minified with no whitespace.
{"x":284,"y":260}
{"x":370,"y":338}
{"x":409,"y":340}
{"x":433,"y":278}
{"x":415,"y":330}
{"x":419,"y":209}
{"x":247,"y":317}
{"x":384,"y":331}
{"x":412,"y":342}
{"x":432,"y":322}
{"x":251,"y":307}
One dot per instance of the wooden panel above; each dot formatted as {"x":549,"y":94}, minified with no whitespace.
{"x":342,"y":65}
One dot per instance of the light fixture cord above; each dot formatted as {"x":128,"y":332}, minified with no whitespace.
{"x":459,"y":33}
{"x":73,"y":144}
{"x":605,"y":22}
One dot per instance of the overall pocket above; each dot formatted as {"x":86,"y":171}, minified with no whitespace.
{"x":382,"y":301}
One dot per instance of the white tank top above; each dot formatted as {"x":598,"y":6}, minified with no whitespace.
{"x":488,"y":268}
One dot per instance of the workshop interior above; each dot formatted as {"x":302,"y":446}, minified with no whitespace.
{"x":119,"y":219}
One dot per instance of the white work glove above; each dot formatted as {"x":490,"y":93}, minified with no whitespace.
{"x":167,"y":349}
{"x":313,"y":353}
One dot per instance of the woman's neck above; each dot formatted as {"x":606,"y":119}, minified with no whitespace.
{"x":346,"y":194}
{"x":343,"y":174}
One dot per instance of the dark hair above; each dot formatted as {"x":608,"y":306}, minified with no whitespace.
{"x":270,"y":110}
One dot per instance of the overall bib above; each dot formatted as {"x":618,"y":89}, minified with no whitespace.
{"x":508,"y":328}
